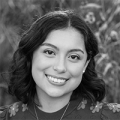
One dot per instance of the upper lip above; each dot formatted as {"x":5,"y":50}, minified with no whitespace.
{"x":57,"y":77}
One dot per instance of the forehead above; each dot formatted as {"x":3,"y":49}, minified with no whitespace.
{"x":68,"y":38}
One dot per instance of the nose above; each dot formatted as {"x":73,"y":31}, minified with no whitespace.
{"x":60,"y":66}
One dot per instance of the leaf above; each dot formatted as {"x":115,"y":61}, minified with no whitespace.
{"x":91,"y":5}
{"x":108,"y":66}
{"x":103,"y":27}
{"x":103,"y":56}
{"x":117,"y":11}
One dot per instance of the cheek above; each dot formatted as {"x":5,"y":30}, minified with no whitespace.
{"x":76,"y":70}
{"x":40,"y":62}
{"x":39,"y":65}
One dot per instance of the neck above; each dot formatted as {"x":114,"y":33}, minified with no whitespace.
{"x":51,"y":104}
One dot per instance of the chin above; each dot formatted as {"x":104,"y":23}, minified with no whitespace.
{"x":55,"y":94}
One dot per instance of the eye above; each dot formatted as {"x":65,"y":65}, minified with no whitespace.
{"x":74,"y":57}
{"x":49,"y":52}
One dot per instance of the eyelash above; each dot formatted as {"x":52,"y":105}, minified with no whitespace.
{"x":75,"y":56}
{"x":49,"y":52}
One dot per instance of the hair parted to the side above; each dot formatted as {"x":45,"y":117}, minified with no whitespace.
{"x":22,"y":84}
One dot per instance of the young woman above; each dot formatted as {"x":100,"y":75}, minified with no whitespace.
{"x":53,"y":73}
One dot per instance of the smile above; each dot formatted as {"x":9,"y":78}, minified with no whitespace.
{"x":56,"y":80}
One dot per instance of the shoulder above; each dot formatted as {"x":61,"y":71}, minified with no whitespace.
{"x":100,"y":110}
{"x":111,"y":111}
{"x":10,"y":110}
{"x":107,"y":111}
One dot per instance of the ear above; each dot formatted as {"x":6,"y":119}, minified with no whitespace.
{"x":86,"y":64}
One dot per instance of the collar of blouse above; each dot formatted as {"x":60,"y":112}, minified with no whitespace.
{"x":75,"y":104}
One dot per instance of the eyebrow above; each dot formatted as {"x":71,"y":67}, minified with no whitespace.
{"x":72,"y":50}
{"x":50,"y":45}
{"x":76,"y":50}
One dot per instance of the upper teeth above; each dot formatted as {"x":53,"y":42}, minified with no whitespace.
{"x":56,"y":79}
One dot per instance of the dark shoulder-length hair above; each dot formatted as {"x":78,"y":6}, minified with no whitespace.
{"x":22,"y":84}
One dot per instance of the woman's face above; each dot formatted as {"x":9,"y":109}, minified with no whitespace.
{"x":58,"y":64}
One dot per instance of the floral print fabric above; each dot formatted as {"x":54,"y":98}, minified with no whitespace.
{"x":103,"y":111}
{"x":15,"y":107}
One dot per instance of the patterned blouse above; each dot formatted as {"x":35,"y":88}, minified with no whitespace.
{"x":80,"y":109}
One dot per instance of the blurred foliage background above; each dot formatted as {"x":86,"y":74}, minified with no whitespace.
{"x":103,"y":16}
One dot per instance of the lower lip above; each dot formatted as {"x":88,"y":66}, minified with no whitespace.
{"x":55,"y":83}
